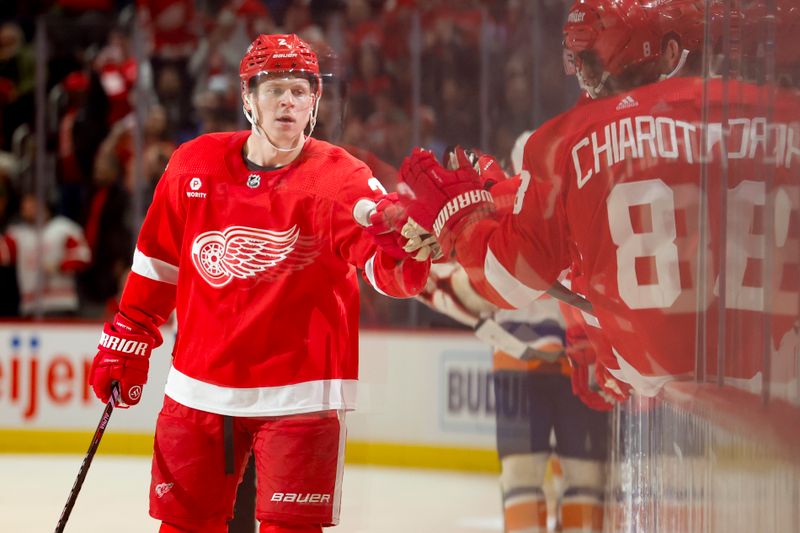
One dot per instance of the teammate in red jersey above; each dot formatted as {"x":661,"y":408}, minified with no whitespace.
{"x":538,"y":362}
{"x":636,"y":187}
{"x":254,"y":238}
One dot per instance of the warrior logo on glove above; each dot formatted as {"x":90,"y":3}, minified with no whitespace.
{"x":442,"y":199}
{"x":458,"y":203}
{"x":123,"y":356}
{"x":112,"y":342}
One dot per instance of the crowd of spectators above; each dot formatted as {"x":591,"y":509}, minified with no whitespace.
{"x":127,"y":81}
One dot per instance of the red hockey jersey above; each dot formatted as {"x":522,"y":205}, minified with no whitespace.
{"x":659,"y":204}
{"x":261,"y":268}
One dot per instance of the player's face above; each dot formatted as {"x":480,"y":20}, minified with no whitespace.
{"x":591,"y":74}
{"x":284,"y":107}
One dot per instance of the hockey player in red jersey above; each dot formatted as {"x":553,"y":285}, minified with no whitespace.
{"x":637,"y":184}
{"x":533,"y":367}
{"x":255,"y":238}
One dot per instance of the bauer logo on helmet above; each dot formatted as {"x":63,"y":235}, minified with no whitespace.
{"x":576,"y":16}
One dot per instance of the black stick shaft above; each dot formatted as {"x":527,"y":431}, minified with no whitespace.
{"x":87,"y":460}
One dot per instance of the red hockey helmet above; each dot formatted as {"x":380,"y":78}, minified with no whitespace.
{"x":621,"y":33}
{"x":272,"y":54}
{"x":684,"y":19}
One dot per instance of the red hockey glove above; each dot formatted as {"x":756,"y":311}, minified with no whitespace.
{"x":385,"y":224}
{"x":582,"y":359}
{"x":488,"y":168}
{"x":490,"y":171}
{"x":440,"y":199}
{"x":123,"y":356}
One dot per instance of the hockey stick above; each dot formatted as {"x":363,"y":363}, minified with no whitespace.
{"x":87,"y":461}
{"x":493,"y":334}
{"x":560,"y":292}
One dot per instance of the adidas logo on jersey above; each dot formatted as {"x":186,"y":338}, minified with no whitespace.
{"x":627,"y":103}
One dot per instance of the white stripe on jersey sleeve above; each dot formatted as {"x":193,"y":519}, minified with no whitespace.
{"x":510,"y":288}
{"x":648,"y":386}
{"x":369,"y":270}
{"x":154,"y":269}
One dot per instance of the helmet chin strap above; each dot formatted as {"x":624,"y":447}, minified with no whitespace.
{"x":312,"y":121}
{"x":593,"y":91}
{"x":678,"y":67}
{"x":258,"y":131}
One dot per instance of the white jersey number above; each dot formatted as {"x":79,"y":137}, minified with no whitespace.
{"x":519,"y":199}
{"x":376,"y":185}
{"x":657,"y":243}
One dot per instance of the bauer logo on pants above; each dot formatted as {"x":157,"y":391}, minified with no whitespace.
{"x":300,"y":497}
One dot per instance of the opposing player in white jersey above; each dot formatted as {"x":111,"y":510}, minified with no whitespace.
{"x":255,"y":238}
{"x":635,"y":187}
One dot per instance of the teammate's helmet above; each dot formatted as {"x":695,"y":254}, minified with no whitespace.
{"x":682,"y":19}
{"x":621,"y":33}
{"x":274,"y":54}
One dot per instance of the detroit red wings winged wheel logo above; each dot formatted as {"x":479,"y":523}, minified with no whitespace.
{"x":240,"y":252}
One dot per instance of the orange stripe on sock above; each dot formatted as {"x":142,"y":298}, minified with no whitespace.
{"x":526,"y":515}
{"x":584,"y":516}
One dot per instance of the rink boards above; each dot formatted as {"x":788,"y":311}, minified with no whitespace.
{"x":424,"y":400}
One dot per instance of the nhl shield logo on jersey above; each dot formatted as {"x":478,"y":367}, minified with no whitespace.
{"x":253,"y":181}
{"x":241,"y":252}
